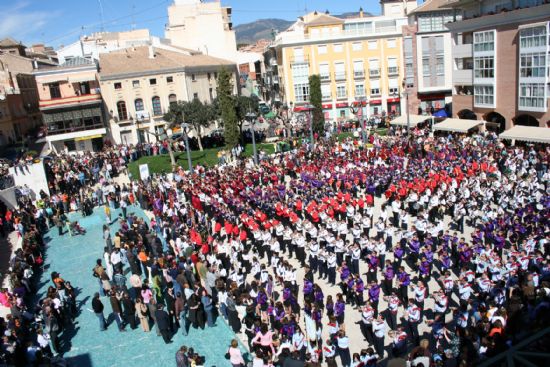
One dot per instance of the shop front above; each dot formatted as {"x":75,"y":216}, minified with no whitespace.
{"x":394,"y":106}
{"x":375,"y":107}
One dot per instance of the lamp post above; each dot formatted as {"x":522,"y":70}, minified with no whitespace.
{"x":184,"y":127}
{"x":251,"y":117}
{"x":139,"y":120}
{"x":309,"y":107}
{"x":406,"y":95}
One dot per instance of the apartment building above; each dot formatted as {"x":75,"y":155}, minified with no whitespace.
{"x":427,"y":54}
{"x":204,"y":26}
{"x":358,"y":58}
{"x":501,"y":58}
{"x":138,"y":85}
{"x":71,"y":105}
{"x":18,"y":92}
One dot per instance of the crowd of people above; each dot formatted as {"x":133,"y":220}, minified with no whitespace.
{"x":434,"y":249}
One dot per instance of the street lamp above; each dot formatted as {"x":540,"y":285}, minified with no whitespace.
{"x":406,"y":95}
{"x":309,"y":107}
{"x":184,"y":126}
{"x":251,"y":117}
{"x":355,"y":109}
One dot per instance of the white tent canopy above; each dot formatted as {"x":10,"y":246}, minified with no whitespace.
{"x":458,"y":125}
{"x":527,"y":133}
{"x":414,"y":120}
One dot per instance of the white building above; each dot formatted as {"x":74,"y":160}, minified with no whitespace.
{"x":202,"y":26}
{"x":89,"y":47}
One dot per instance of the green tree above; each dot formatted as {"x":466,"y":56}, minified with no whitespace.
{"x":174,"y":117}
{"x":198,"y":115}
{"x":315,"y":98}
{"x":227,"y":110}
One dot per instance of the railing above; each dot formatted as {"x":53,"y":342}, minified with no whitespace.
{"x":374,"y":72}
{"x":342,"y":96}
{"x":393,"y":70}
{"x":326,"y":97}
{"x":324,"y":77}
{"x":299,"y":60}
{"x":70,"y":100}
{"x":358,"y":74}
{"x":340,"y":75}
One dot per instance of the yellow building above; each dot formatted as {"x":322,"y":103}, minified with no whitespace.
{"x":358,"y":58}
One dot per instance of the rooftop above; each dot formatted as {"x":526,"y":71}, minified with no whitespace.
{"x":9,"y":42}
{"x":137,"y":60}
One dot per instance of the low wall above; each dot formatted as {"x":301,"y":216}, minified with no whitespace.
{"x":32,"y":176}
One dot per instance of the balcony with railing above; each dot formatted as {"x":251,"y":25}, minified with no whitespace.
{"x":393,"y":70}
{"x":358,"y":74}
{"x":374,"y":73}
{"x":94,"y":97}
{"x":340,"y":75}
{"x":325,"y":77}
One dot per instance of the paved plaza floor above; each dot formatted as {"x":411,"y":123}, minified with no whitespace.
{"x":74,"y":257}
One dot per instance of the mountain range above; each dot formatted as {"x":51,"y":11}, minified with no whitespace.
{"x":249,"y":33}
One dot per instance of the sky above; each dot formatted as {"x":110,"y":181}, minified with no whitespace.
{"x":61,"y":22}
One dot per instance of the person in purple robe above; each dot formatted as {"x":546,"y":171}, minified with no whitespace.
{"x":388,"y":274}
{"x":339,"y":308}
{"x":374,"y":295}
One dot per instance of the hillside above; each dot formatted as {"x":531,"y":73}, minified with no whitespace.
{"x":249,"y":33}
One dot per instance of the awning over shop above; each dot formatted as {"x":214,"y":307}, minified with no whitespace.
{"x":79,"y":135}
{"x":458,"y":125}
{"x":414,"y":119}
{"x":527,"y":133}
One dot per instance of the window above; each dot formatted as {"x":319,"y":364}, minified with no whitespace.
{"x":533,"y":65}
{"x":359,"y":90}
{"x":484,"y":95}
{"x":531,"y":96}
{"x":391,"y":43}
{"x":118,"y":85}
{"x":301,"y":92}
{"x":484,"y":41}
{"x":211,"y":94}
{"x":358,"y":69}
{"x":374,"y":68}
{"x":298,"y":54}
{"x":153,"y":81}
{"x":373,"y":45}
{"x":170,"y":79}
{"x":326,"y":92}
{"x":209,"y":76}
{"x":300,"y":73}
{"x":393,"y":87}
{"x":121,"y":110}
{"x":339,"y":71}
{"x":84,"y":88}
{"x":324,"y":72}
{"x":375,"y":87}
{"x":135,"y":83}
{"x":430,"y":22}
{"x":157,"y":108}
{"x":193,"y":78}
{"x":338,"y":47}
{"x":392,"y":66}
{"x":138,"y":103}
{"x":216,"y":75}
{"x":55,"y":92}
{"x":322,"y":49}
{"x":426,"y":70}
{"x":440,"y":65}
{"x":195,"y":96}
{"x":357,"y":46}
{"x":532,"y":37}
{"x":341,"y":91}
{"x":484,"y":67}
{"x":172,"y":99}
